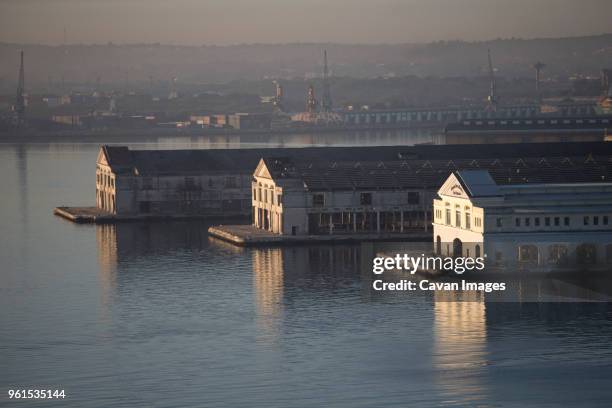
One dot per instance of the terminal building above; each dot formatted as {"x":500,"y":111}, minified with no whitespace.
{"x":294,"y":197}
{"x":544,"y":225}
{"x":217,"y":182}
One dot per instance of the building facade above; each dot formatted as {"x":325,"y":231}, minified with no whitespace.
{"x":527,"y":226}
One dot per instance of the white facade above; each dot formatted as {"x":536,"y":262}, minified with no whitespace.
{"x":536,"y":226}
{"x":284,"y":205}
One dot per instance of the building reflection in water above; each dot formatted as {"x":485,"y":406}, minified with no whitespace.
{"x":268,"y":281}
{"x":106,"y":241}
{"x":284,"y":277}
{"x":460,"y":354}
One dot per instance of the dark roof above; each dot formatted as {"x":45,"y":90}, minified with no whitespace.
{"x":431,"y":174}
{"x":157,"y":162}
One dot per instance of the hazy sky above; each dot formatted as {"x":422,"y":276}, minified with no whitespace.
{"x":197,"y":22}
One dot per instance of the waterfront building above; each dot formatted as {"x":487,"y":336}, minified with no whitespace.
{"x":528,"y":130}
{"x":547,"y":224}
{"x":296,"y":197}
{"x":200,"y":182}
{"x":337,"y":198}
{"x":217,"y":182}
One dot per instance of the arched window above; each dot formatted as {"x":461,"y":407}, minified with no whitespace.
{"x":457,"y":247}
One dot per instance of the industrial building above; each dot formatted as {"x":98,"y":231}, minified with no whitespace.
{"x":218,"y":182}
{"x":529,"y":130}
{"x":295,"y":197}
{"x":554,"y":222}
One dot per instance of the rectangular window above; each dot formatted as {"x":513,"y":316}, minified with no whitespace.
{"x":230,"y":182}
{"x":517,"y":222}
{"x":448,"y":217}
{"x":605,"y":220}
{"x":265,"y":200}
{"x":468,"y":221}
{"x":279,"y":199}
{"x":318,"y":200}
{"x":499,"y":223}
{"x":414,"y":197}
{"x":557,"y":221}
{"x":547,"y":221}
{"x":536,"y":221}
{"x":586,"y":220}
{"x":189,"y":183}
{"x":254,"y":194}
{"x":566,"y":221}
{"x":527,"y":222}
{"x":458,"y":219}
{"x":596,"y":220}
{"x":366,"y":199}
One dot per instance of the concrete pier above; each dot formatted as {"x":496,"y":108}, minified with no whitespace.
{"x":95,"y":215}
{"x":248,"y":235}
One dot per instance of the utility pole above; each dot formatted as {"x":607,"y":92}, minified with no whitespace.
{"x":20,"y":102}
{"x":538,"y":66}
{"x":326,"y":100}
{"x":492,"y":98}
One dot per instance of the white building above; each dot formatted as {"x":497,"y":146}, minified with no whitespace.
{"x":534,"y":226}
{"x":338,"y":198}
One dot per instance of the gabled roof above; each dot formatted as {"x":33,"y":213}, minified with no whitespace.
{"x":477,"y":183}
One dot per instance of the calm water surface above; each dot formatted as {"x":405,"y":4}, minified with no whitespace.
{"x":160,"y":315}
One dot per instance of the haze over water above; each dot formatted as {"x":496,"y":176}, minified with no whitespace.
{"x":161,"y":315}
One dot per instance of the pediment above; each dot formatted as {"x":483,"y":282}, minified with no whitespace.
{"x":102,"y":157}
{"x":453,"y":188}
{"x":262,"y":170}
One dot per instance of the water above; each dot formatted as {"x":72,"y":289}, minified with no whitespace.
{"x":162,"y":315}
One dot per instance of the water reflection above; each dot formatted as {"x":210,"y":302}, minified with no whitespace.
{"x":460,"y":354}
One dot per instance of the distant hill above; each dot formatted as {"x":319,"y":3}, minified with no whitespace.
{"x":154,"y":65}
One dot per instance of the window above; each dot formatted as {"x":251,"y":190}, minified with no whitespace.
{"x":557,"y":221}
{"x":499,"y":223}
{"x":254,"y":194}
{"x":265,"y":200}
{"x":458,"y":219}
{"x":366,"y":199}
{"x":586,"y":254}
{"x":527,"y":222}
{"x":189,"y":183}
{"x":605,"y":220}
{"x":279,"y":199}
{"x":536,"y":221}
{"x":557,"y":254}
{"x":517,"y":222}
{"x":595,"y":220}
{"x":528,"y":254}
{"x":448,"y":217}
{"x":547,"y":221}
{"x":230,"y":181}
{"x":414,"y":197}
{"x":318,"y":200}
{"x":586,"y":220}
{"x":468,"y":221}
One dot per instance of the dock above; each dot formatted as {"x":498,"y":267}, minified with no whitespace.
{"x":95,"y":215}
{"x":248,"y":235}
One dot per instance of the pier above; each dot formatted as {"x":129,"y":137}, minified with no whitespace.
{"x":248,"y":235}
